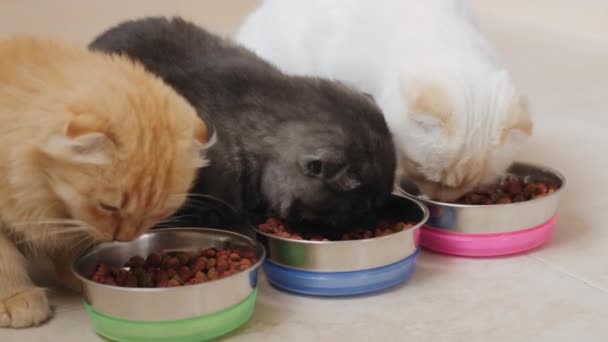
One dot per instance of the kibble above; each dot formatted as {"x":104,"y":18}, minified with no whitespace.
{"x":510,"y":189}
{"x":173,"y":269}
{"x":278,"y":228}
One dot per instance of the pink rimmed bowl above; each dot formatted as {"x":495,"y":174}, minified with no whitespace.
{"x":496,"y":229}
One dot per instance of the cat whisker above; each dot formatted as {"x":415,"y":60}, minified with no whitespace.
{"x":172,"y":223}
{"x":195,"y":195}
{"x":165,"y":225}
{"x":55,"y":232}
{"x":47,"y":222}
{"x":85,"y":239}
{"x":195,"y":205}
{"x":172,"y":219}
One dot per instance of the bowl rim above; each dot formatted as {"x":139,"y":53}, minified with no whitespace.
{"x":88,"y":251}
{"x":425,"y":217}
{"x":539,"y":167}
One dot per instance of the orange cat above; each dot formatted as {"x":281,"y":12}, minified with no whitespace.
{"x":92,"y":148}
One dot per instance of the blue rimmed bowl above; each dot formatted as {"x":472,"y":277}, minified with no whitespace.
{"x":347,"y":268}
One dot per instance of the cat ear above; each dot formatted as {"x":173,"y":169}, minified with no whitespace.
{"x":429,"y":124}
{"x":520,"y":126}
{"x":200,"y":131}
{"x":429,"y":106}
{"x":80,"y":144}
{"x":202,"y":144}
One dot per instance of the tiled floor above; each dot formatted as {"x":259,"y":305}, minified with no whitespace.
{"x":557,"y":293}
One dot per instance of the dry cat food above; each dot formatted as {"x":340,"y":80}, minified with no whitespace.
{"x":175,"y":268}
{"x":276,"y":227}
{"x":511,"y":189}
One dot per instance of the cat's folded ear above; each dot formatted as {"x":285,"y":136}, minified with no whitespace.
{"x":202,"y":143}
{"x":519,"y":124}
{"x":80,"y":143}
{"x":428,"y":106}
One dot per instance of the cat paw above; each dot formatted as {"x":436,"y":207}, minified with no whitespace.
{"x":25,"y":308}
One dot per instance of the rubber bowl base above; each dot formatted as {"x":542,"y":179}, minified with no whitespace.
{"x":339,"y":284}
{"x":204,"y":328}
{"x":486,"y":245}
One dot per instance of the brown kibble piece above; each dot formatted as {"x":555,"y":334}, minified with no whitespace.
{"x":283,"y":234}
{"x":200,"y":275}
{"x":212,"y":274}
{"x":185,"y":273}
{"x":183,"y":258}
{"x":135,"y":261}
{"x":194,"y":281}
{"x":121,"y":277}
{"x":504,"y":200}
{"x":177,"y":278}
{"x":200,"y":264}
{"x":153,"y":260}
{"x":171,"y":263}
{"x":102,"y":269}
{"x":173,"y":283}
{"x":247,"y":254}
{"x":146,"y":280}
{"x":131,"y":281}
{"x":210,"y":252}
{"x":222,"y":265}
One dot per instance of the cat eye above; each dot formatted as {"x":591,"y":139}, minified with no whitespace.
{"x":314,"y":167}
{"x":108,"y":207}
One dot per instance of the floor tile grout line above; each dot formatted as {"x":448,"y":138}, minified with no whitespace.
{"x":568,"y":273}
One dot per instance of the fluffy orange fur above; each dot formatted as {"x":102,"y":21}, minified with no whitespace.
{"x":92,"y":148}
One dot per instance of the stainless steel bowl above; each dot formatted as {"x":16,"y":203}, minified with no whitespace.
{"x":167,"y":304}
{"x":353,"y":255}
{"x":495,"y":218}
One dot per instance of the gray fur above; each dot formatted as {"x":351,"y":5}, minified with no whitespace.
{"x":268,"y":125}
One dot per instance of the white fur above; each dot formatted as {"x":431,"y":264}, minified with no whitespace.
{"x":392,"y":49}
{"x":92,"y":148}
{"x":201,"y":150}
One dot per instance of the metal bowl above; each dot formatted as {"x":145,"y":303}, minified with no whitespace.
{"x":495,"y":218}
{"x":495,"y":229}
{"x":350,"y":255}
{"x":347,"y":268}
{"x":167,"y":304}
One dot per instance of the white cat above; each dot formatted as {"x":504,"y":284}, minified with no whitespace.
{"x":457,"y":118}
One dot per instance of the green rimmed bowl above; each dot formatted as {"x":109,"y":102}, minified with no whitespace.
{"x":204,"y":328}
{"x":198,"y":312}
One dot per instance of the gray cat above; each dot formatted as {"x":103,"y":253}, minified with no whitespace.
{"x":302,"y":148}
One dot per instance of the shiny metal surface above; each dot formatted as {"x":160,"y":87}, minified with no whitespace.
{"x":355,"y":255}
{"x":496,"y":218}
{"x":163,"y":304}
